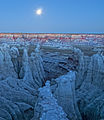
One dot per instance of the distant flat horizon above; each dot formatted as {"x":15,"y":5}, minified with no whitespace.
{"x":51,"y":33}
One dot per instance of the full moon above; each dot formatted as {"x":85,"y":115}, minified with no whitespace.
{"x":39,"y":11}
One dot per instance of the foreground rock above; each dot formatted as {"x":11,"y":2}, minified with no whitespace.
{"x":74,"y":95}
{"x":46,"y":107}
{"x":90,"y":95}
{"x":65,"y":94}
{"x":6,"y":65}
{"x":18,"y":96}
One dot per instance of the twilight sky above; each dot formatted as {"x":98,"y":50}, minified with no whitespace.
{"x":58,"y":16}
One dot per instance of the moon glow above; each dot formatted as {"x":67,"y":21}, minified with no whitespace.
{"x":39,"y":11}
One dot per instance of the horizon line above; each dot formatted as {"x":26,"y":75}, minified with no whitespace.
{"x":51,"y":33}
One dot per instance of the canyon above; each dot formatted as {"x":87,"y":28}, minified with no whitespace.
{"x":51,"y":76}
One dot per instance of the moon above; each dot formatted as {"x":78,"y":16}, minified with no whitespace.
{"x":39,"y":11}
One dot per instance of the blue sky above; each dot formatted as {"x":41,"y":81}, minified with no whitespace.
{"x":58,"y":16}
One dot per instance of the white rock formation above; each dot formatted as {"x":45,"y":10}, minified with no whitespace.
{"x":16,"y":100}
{"x":14,"y":52}
{"x":76,"y":96}
{"x":36,"y":64}
{"x":90,"y":95}
{"x":95,"y":71}
{"x":46,"y":107}
{"x":7,"y":68}
{"x":25,"y":72}
{"x":65,"y":95}
{"x":81,"y":67}
{"x":18,"y":96}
